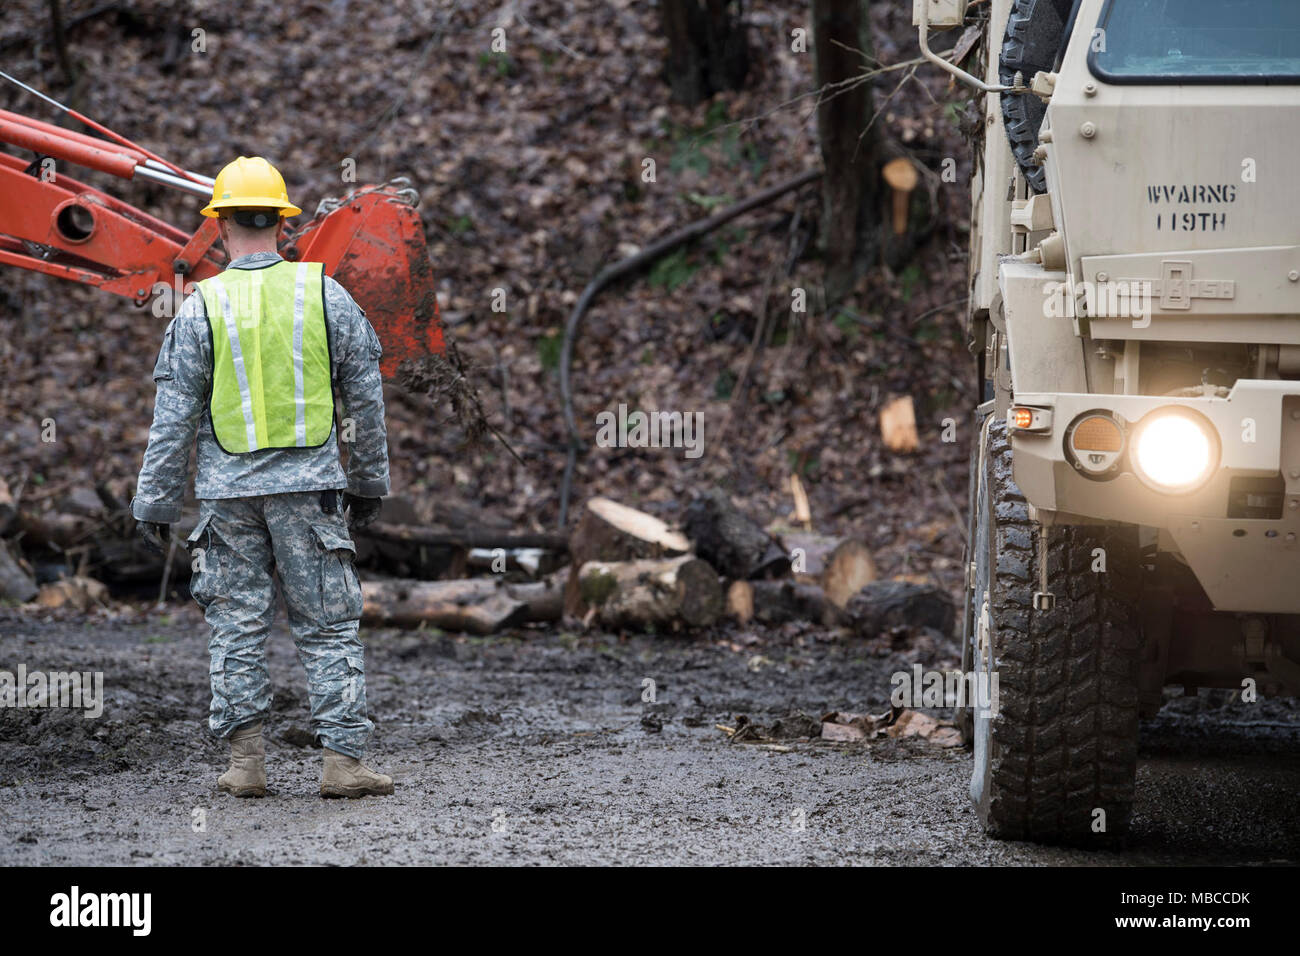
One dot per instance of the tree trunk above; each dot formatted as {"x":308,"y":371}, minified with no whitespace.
{"x":644,"y":595}
{"x":707,"y":48}
{"x":850,"y":232}
{"x":61,"y":42}
{"x":478,"y":606}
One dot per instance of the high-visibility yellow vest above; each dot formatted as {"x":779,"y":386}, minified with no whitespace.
{"x":271,"y":381}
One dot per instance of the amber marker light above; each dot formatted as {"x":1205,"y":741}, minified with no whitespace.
{"x":1026,"y":418}
{"x":1094,"y":444}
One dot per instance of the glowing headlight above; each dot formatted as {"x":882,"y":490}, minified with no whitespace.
{"x":1175,"y":450}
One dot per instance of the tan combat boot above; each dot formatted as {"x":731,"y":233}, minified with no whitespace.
{"x":346,"y":776}
{"x":247,"y":774}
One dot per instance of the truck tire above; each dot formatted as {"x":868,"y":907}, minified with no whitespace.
{"x":1061,"y":743}
{"x":1033,"y":37}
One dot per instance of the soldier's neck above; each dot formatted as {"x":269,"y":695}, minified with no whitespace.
{"x":238,"y":249}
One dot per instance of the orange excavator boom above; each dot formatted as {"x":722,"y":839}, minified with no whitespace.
{"x":372,"y":241}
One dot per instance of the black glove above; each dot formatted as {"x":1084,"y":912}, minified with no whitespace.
{"x":154,"y":535}
{"x":361,"y":511}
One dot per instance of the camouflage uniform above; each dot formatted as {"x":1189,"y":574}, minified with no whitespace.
{"x":272,"y":510}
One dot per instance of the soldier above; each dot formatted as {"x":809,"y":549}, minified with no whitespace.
{"x":250,"y":365}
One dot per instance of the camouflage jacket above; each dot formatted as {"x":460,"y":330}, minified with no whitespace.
{"x":183,"y":375}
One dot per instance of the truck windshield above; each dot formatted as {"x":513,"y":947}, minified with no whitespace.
{"x":1197,"y":41}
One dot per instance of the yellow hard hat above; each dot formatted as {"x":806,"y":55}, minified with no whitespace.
{"x":250,"y":182}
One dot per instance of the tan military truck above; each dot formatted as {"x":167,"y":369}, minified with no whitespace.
{"x":1135,"y":313}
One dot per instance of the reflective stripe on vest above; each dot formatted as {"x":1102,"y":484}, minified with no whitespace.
{"x":271,"y":383}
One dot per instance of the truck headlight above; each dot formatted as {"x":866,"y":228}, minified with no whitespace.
{"x":1175,"y":449}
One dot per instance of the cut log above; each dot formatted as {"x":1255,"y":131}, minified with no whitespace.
{"x":462,"y":538}
{"x":611,"y":532}
{"x":535,"y":562}
{"x":15,"y":585}
{"x":839,"y":566}
{"x":730,"y":540}
{"x":646,"y":594}
{"x":401,"y":544}
{"x":740,"y":601}
{"x":643,"y":531}
{"x":898,"y":425}
{"x":883,"y":605}
{"x":848,"y":569}
{"x":478,"y":606}
{"x":779,"y":602}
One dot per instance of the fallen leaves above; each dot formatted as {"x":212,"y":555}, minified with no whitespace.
{"x":850,"y":728}
{"x":914,"y":723}
{"x":845,"y":727}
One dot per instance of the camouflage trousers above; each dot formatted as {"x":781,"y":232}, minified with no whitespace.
{"x":239,"y":547}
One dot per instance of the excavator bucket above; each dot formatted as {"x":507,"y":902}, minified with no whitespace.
{"x":373,"y":243}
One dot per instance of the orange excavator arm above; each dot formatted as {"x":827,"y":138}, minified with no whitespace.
{"x":372,"y":241}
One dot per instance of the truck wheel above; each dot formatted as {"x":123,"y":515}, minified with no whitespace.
{"x":1035,"y":29}
{"x":1060,"y":742}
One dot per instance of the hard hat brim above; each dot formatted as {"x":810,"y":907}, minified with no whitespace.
{"x":287,"y":209}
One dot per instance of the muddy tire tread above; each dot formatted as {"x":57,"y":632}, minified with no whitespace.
{"x":1065,"y":740}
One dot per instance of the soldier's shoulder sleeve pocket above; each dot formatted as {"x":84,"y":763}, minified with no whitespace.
{"x":164,"y":367}
{"x":372,"y":339}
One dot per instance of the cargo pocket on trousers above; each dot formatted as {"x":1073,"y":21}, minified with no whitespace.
{"x":340,"y":589}
{"x":353,"y":682}
{"x":203,"y":563}
{"x":217,"y":677}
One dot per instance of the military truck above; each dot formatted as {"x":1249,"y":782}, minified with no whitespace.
{"x":1135,"y":316}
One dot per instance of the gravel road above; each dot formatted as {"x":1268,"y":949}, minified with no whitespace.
{"x":536,"y":748}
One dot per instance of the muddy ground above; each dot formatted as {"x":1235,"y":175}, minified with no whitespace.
{"x":536,"y":748}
